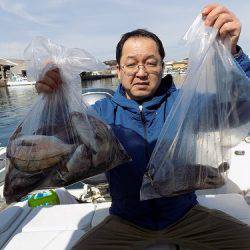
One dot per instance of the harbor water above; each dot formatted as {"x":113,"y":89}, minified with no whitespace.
{"x":15,"y":102}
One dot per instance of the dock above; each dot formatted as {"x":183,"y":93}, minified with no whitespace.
{"x":96,"y":77}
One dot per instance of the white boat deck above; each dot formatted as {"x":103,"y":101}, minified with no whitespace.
{"x":59,"y":227}
{"x":55,"y":227}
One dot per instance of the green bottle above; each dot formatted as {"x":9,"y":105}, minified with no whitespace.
{"x":45,"y":198}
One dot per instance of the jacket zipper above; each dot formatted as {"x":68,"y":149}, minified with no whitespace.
{"x":147,"y":155}
{"x":145,"y":131}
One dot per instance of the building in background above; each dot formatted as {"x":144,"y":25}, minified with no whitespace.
{"x":173,"y":67}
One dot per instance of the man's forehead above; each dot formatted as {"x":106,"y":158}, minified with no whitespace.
{"x":138,"y":42}
{"x":140,"y":47}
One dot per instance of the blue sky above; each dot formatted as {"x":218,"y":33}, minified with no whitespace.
{"x":97,"y":25}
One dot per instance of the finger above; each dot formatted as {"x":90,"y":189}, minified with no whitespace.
{"x":43,"y":88}
{"x":222,"y":19}
{"x":224,"y":30}
{"x":208,"y":8}
{"x":55,"y":76}
{"x":55,"y":69}
{"x":49,"y":82}
{"x":229,"y":28}
{"x":214,"y":14}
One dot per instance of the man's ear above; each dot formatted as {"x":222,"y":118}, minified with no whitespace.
{"x":118,"y":71}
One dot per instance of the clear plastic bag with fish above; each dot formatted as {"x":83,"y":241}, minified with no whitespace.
{"x":61,"y":140}
{"x":209,"y":116}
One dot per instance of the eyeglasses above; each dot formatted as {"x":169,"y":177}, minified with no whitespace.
{"x":133,"y":69}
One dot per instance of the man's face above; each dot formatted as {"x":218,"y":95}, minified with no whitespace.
{"x":143,"y":84}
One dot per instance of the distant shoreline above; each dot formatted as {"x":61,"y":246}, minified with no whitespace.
{"x":96,"y":77}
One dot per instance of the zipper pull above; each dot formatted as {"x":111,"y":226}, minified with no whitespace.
{"x":142,"y":114}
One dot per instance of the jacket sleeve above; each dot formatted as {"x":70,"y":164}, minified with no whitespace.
{"x":242,"y":87}
{"x":97,"y":108}
{"x":243,"y":61}
{"x":103,"y":109}
{"x":239,"y":106}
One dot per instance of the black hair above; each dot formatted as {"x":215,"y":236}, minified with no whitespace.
{"x":138,"y":33}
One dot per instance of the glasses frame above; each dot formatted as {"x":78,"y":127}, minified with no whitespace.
{"x":138,"y":68}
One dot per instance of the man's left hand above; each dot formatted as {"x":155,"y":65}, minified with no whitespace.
{"x":225,"y":21}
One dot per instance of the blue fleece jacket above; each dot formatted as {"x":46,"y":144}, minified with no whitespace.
{"x":137,"y":127}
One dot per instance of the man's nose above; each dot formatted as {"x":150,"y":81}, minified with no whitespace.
{"x":141,"y":71}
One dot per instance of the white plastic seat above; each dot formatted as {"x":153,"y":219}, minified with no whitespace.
{"x":10,"y":219}
{"x":232,"y":204}
{"x":49,"y":240}
{"x":239,"y":172}
{"x":59,"y":218}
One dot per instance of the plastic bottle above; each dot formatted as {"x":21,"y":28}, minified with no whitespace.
{"x":44,"y":198}
{"x":50,"y":197}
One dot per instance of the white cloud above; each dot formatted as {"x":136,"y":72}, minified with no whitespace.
{"x":19,"y":10}
{"x":97,"y":25}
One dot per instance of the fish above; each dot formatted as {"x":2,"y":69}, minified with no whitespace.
{"x":98,"y":136}
{"x":175,"y":179}
{"x":36,"y":152}
{"x":60,"y":155}
{"x":83,"y":128}
{"x":110,"y":152}
{"x":80,"y":161}
{"x":19,"y":183}
{"x":104,"y":141}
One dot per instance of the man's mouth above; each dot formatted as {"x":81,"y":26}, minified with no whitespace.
{"x":141,"y":83}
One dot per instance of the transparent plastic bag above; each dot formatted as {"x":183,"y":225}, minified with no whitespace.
{"x":61,"y":140}
{"x":209,"y":116}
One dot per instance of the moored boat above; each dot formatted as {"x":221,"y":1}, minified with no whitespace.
{"x":19,"y":81}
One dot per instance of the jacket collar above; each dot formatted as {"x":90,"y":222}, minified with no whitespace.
{"x":161,"y":94}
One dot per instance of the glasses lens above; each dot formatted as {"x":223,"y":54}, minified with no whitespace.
{"x":131,"y":70}
{"x":153,"y":69}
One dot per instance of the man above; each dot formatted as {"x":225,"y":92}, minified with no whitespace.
{"x":137,"y":113}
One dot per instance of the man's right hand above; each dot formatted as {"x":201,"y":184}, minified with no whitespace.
{"x":50,"y":81}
